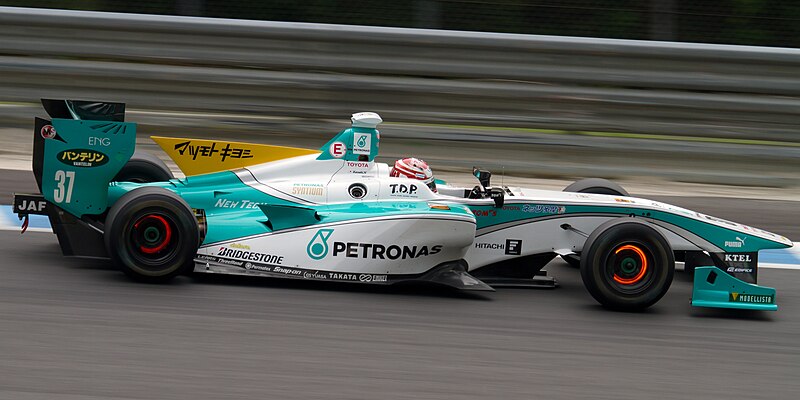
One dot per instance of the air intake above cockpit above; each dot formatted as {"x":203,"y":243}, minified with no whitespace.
{"x":366,"y":120}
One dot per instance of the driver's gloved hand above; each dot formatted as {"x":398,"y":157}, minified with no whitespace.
{"x":476,"y":193}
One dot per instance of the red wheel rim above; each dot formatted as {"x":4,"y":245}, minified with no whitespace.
{"x":164,"y":233}
{"x":642,"y":258}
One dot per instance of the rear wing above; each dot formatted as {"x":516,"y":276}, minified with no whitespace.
{"x":79,"y":151}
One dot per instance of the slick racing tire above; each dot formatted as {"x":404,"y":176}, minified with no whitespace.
{"x":596,"y":186}
{"x":592,"y":186}
{"x":151,"y":235}
{"x":144,"y":167}
{"x":627,"y":265}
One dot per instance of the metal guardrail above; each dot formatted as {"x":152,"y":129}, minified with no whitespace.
{"x":325,"y":71}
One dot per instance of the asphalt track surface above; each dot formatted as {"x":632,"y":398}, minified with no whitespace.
{"x":78,"y":329}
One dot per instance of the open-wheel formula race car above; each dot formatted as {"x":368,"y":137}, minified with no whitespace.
{"x":335,"y":214}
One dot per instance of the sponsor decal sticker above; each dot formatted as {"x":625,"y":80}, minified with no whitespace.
{"x":736,"y":244}
{"x":358,"y":164}
{"x":239,"y":246}
{"x":314,"y":275}
{"x":485,"y":213}
{"x":239,"y":204}
{"x":317,"y":247}
{"x":249,"y":255}
{"x":621,"y":200}
{"x":342,"y":277}
{"x":206,"y":151}
{"x":28,"y":205}
{"x":720,"y":220}
{"x":543,"y":209}
{"x":734,"y":297}
{"x":99,"y":141}
{"x":83,"y":158}
{"x":490,"y":246}
{"x":287,"y":271}
{"x":745,"y":257}
{"x":741,"y":265}
{"x":227,"y":261}
{"x":308,"y":189}
{"x":403,"y":190}
{"x":371,"y":278}
{"x":361,"y":143}
{"x":48,"y":132}
{"x":513,"y":247}
{"x":258,"y":267}
{"x":381,"y":251}
{"x":337,"y":149}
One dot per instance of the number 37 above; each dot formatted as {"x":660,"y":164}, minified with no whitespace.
{"x":63,"y":191}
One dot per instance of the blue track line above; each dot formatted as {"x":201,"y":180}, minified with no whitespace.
{"x":10,"y":221}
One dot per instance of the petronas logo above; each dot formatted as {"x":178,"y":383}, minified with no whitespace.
{"x":317,"y":248}
{"x":362,"y":141}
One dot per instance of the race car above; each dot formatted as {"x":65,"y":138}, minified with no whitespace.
{"x":335,"y":214}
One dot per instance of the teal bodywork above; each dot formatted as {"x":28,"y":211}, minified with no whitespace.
{"x":358,"y":142}
{"x":85,"y":156}
{"x":235,"y":210}
{"x":713,"y":287}
{"x":488,"y":216}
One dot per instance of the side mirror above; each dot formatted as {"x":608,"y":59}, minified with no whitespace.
{"x":483,"y":176}
{"x":498,"y":195}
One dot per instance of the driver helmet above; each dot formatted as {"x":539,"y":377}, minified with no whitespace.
{"x":414,"y":168}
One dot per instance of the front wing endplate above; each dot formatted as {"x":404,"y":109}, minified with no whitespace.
{"x":715,"y":288}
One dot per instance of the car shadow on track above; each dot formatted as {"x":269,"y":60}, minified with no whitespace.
{"x":399,"y":289}
{"x":724,"y":313}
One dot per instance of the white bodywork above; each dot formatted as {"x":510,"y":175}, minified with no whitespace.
{"x":306,"y":180}
{"x":529,"y":222}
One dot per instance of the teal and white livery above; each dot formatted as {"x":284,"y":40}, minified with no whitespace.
{"x":336,"y":214}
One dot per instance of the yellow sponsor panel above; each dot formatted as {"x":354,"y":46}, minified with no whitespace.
{"x":198,"y":156}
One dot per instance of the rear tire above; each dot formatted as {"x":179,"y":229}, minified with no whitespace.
{"x":151,"y":235}
{"x":144,"y":168}
{"x":627,"y":265}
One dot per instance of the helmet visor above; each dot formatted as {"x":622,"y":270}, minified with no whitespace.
{"x":431,"y":185}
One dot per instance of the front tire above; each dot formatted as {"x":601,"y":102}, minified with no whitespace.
{"x":151,"y":235}
{"x":596,"y":186}
{"x":627,"y":265}
{"x":592,"y":186}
